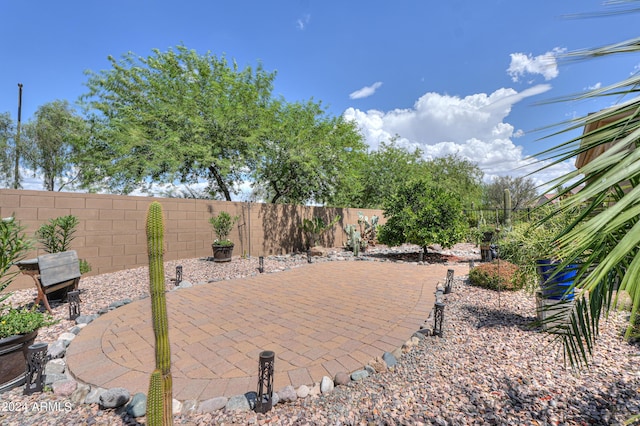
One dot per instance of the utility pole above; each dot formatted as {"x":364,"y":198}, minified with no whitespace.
{"x":16,"y":170}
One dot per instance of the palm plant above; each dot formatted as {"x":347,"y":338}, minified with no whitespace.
{"x":604,"y":237}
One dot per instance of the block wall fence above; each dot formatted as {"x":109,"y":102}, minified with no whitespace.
{"x":111,"y":234}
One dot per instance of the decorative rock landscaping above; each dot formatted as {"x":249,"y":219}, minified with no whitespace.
{"x":489,"y":368}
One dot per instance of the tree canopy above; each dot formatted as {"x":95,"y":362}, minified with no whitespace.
{"x":423,"y":212}
{"x":50,"y":141}
{"x":522,"y":189}
{"x":174,"y":116}
{"x":303,"y":154}
{"x":6,"y":148}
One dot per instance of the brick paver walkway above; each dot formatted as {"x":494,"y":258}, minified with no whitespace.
{"x":318,"y":319}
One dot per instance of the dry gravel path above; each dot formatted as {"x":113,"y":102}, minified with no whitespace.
{"x":491,"y":367}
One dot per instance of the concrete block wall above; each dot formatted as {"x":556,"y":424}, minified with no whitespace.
{"x":111,"y":234}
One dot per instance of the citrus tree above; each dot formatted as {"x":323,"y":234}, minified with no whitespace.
{"x":423,"y":213}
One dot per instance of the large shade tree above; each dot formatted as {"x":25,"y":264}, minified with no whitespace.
{"x":50,"y":143}
{"x":460,"y":176}
{"x":522,"y":189}
{"x":6,"y":148}
{"x":605,"y":236}
{"x":175,"y":116}
{"x":303,"y":154}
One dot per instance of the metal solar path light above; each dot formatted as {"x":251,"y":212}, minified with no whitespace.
{"x":472,"y":264}
{"x":265,"y":382}
{"x":73,"y":298}
{"x":449,"y":282}
{"x":178,"y":275}
{"x":438,"y":318}
{"x":36,"y":361}
{"x":261,"y":264}
{"x":308,"y":255}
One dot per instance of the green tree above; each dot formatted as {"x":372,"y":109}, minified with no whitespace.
{"x":422,"y":212}
{"x":50,"y":142}
{"x":522,"y":189}
{"x":173,"y":116}
{"x":379,"y":173}
{"x":605,"y":236}
{"x":460,"y":176}
{"x":6,"y":148}
{"x":304,"y":154}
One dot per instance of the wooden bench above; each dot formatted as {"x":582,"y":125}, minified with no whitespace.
{"x":54,"y":272}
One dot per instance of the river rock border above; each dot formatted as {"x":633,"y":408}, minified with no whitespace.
{"x":63,"y":384}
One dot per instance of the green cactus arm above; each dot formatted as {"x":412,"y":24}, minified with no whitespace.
{"x":155,"y":248}
{"x":155,"y":409}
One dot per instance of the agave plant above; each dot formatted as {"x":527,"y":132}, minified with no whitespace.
{"x":605,"y":236}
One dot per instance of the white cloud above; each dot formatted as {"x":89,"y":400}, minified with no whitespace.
{"x":366,"y":91}
{"x":595,"y":86}
{"x":302,"y":22}
{"x":545,"y":65}
{"x":472,"y":127}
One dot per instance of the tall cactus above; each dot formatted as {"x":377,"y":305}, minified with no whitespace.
{"x":507,"y":209}
{"x":160,"y":384}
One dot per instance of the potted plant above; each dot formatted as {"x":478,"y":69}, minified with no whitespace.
{"x":18,"y":326}
{"x":222,"y":246}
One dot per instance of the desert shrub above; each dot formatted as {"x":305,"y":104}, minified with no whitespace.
{"x":497,"y":275}
{"x":528,"y":242}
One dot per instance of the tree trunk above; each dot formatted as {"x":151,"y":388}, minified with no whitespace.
{"x":223,"y":186}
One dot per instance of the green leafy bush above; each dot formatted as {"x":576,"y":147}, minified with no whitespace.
{"x":422,"y":212}
{"x":222,"y":225}
{"x":528,"y":242}
{"x":497,"y":275}
{"x":22,"y":321}
{"x":57,"y":234}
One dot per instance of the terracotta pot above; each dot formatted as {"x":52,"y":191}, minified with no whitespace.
{"x":222,"y":253}
{"x":13,"y":359}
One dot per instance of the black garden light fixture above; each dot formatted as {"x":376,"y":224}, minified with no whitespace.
{"x":265,"y":382}
{"x":261,"y":264}
{"x":438,"y":319}
{"x":36,"y":361}
{"x":178,"y":275}
{"x":448,"y":285}
{"x":73,"y":298}
{"x":308,"y":255}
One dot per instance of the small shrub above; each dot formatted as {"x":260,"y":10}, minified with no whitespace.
{"x":497,"y":275}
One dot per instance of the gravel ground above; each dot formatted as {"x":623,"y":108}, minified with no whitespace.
{"x":491,"y":367}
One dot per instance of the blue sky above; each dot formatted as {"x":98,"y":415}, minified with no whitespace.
{"x":449,"y":77}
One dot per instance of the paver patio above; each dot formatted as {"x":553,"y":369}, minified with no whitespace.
{"x":318,"y":319}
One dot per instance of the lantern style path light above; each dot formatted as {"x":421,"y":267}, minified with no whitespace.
{"x":265,"y":382}
{"x":308,"y":255}
{"x":261,"y":264}
{"x":448,"y":285}
{"x":178,"y":274}
{"x":73,"y":297}
{"x":36,"y":361}
{"x":438,"y":319}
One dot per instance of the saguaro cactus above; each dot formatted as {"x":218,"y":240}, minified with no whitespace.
{"x":160,"y":384}
{"x":507,"y":208}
